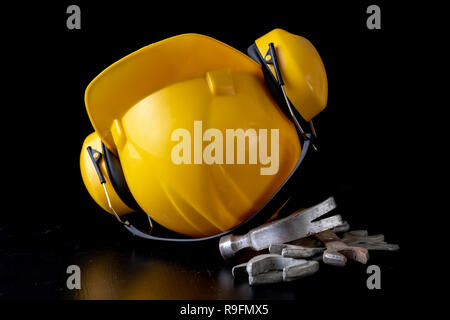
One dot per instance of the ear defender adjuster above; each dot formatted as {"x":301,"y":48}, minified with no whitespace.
{"x":270,"y":58}
{"x":96,"y":157}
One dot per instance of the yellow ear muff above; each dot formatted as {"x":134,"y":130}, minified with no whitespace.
{"x":91,"y":178}
{"x":302,"y":70}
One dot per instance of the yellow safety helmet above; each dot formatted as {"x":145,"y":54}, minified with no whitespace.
{"x":198,"y":135}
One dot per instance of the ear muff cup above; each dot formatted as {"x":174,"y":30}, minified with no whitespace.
{"x":273,"y":86}
{"x":117,"y":178}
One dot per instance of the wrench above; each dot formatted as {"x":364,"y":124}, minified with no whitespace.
{"x":337,"y":251}
{"x":297,"y":225}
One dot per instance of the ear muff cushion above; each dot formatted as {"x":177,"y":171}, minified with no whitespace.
{"x":115,"y":173}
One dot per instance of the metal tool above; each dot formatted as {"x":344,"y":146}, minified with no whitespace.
{"x":314,"y":242}
{"x":293,"y":251}
{"x":273,"y":268}
{"x":282,"y":264}
{"x":344,"y":227}
{"x":362,"y":239}
{"x":361,"y":235}
{"x":359,"y":238}
{"x":308,"y":242}
{"x":337,"y":251}
{"x":298,"y":225}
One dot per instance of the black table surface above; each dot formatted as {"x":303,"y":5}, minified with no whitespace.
{"x":114,"y":265}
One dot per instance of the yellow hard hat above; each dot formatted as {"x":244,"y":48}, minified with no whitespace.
{"x":196,"y":134}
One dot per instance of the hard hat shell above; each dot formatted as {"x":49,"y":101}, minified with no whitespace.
{"x":136,"y":104}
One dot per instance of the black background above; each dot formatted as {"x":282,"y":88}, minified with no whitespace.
{"x":365,"y":135}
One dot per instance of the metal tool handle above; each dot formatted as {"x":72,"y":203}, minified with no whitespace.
{"x":297,"y":225}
